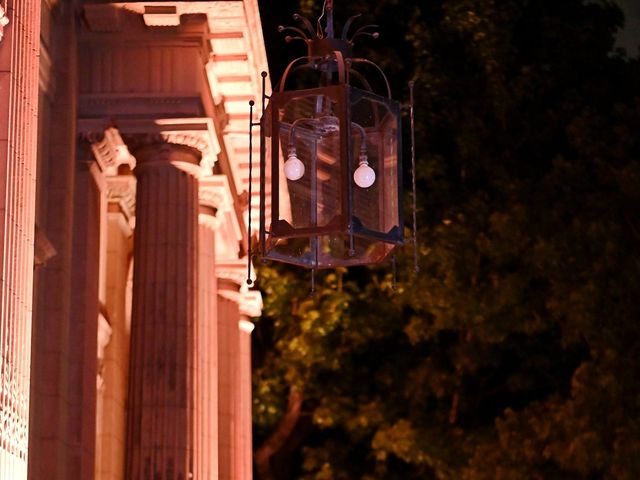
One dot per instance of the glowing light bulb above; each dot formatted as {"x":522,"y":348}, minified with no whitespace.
{"x":293,"y":167}
{"x":364,"y":176}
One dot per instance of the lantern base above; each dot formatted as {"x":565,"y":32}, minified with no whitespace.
{"x":328,"y":251}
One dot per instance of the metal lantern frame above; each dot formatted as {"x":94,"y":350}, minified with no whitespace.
{"x":332,"y":58}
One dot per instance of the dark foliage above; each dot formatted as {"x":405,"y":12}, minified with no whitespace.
{"x":514,"y":353}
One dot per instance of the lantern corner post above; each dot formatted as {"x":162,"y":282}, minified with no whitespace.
{"x":263,"y":181}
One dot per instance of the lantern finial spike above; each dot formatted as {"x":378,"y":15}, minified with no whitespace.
{"x":329,"y":8}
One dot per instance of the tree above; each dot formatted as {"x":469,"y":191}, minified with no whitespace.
{"x":513,"y":354}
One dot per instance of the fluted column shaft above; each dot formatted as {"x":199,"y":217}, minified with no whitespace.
{"x":206,"y":412}
{"x":160,"y":417}
{"x":18,"y":135}
{"x":245,"y":450}
{"x":228,"y":379}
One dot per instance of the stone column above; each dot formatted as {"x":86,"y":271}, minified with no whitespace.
{"x":245,"y":453}
{"x":206,"y":419}
{"x":228,"y":378}
{"x":250,"y":306}
{"x":19,"y":46}
{"x":110,"y":448}
{"x":161,"y":383}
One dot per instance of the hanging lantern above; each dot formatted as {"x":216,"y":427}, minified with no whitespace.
{"x":330,"y":157}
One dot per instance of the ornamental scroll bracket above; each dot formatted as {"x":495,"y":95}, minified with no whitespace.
{"x":111,"y":152}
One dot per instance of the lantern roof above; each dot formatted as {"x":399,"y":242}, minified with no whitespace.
{"x":330,"y":54}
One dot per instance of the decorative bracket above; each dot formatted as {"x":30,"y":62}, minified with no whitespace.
{"x":111,"y":152}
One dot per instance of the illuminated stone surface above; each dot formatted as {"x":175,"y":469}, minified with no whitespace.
{"x":125,"y":92}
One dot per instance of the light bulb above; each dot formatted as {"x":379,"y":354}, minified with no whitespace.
{"x":364,"y":176}
{"x":293,"y":167}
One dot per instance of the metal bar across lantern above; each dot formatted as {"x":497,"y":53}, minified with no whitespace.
{"x":330,"y":163}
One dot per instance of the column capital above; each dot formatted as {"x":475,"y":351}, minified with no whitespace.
{"x":154,"y":151}
{"x":207,"y":218}
{"x":232,"y":272}
{"x":250,"y":306}
{"x":197,"y":133}
{"x":232,"y":285}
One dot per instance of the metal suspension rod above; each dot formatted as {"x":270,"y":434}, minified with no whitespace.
{"x":416,"y":268}
{"x":251,"y":123}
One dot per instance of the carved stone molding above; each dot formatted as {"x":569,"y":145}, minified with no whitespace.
{"x":214,"y":192}
{"x":43,"y":248}
{"x":232,"y":285}
{"x":134,"y":134}
{"x":246,"y":326}
{"x":110,"y":151}
{"x":251,"y":306}
{"x":208,"y":220}
{"x":159,"y":105}
{"x":235,"y":272}
{"x":4,"y":21}
{"x":121,"y":192}
{"x":161,"y":16}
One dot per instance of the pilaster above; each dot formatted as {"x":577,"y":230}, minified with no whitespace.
{"x":49,"y":437}
{"x":19,"y":40}
{"x":89,"y":212}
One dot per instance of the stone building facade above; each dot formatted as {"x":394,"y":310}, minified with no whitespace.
{"x":125,"y":332}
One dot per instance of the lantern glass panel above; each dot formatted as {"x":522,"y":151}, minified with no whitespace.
{"x":376,"y":209}
{"x":265,"y":210}
{"x":314,"y":142}
{"x":309,"y":133}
